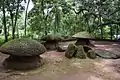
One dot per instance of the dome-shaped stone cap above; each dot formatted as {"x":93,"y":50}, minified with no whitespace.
{"x":83,"y":34}
{"x":52,"y":37}
{"x":23,"y":47}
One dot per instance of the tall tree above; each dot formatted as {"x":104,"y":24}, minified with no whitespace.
{"x":4,"y":20}
{"x":16,"y":16}
{"x":26,"y":15}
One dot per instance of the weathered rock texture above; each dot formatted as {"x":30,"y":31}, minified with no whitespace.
{"x":81,"y":52}
{"x":91,"y":54}
{"x":23,"y":63}
{"x":23,"y":47}
{"x":24,"y":54}
{"x":106,"y":54}
{"x":83,"y":38}
{"x":70,"y":52}
{"x":52,"y":41}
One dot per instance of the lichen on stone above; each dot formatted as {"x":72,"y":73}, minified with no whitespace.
{"x":52,"y":37}
{"x":23,"y":47}
{"x":80,"y":52}
{"x":91,"y":54}
{"x":23,"y":63}
{"x":69,"y":53}
{"x":83,"y":34}
{"x":87,"y":48}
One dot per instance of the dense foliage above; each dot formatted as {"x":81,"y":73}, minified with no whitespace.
{"x":63,"y":17}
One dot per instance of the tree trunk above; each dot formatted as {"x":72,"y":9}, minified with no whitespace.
{"x":101,"y":28}
{"x":4,"y":22}
{"x":117,"y":31}
{"x":11,"y":15}
{"x":57,"y":20}
{"x":26,"y":14}
{"x":111,"y":33}
{"x":16,"y":16}
{"x":17,"y":31}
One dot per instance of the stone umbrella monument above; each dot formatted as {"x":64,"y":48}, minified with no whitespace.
{"x":83,"y":38}
{"x":82,"y":48}
{"x":79,"y":51}
{"x":51,"y":41}
{"x":24,"y":54}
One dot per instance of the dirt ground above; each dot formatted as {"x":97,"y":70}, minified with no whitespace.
{"x":58,"y":67}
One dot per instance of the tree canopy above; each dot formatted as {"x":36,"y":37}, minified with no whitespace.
{"x":64,"y":17}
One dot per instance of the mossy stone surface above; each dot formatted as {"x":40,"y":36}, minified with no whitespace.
{"x":83,"y":34}
{"x":52,"y":37}
{"x":106,"y":54}
{"x":69,"y":53}
{"x":51,"y":45}
{"x":80,"y":52}
{"x":23,"y":63}
{"x":51,"y":41}
{"x":23,"y":47}
{"x":91,"y":54}
{"x":87,"y":48}
{"x":61,"y":49}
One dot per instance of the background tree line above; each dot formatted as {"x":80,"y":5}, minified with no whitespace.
{"x":63,"y":17}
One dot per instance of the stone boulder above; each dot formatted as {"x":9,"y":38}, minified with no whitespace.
{"x":51,"y":41}
{"x":106,"y":54}
{"x":83,"y":38}
{"x":23,"y":47}
{"x":80,"y":52}
{"x":52,"y":37}
{"x":23,"y":63}
{"x":70,"y":52}
{"x":91,"y":54}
